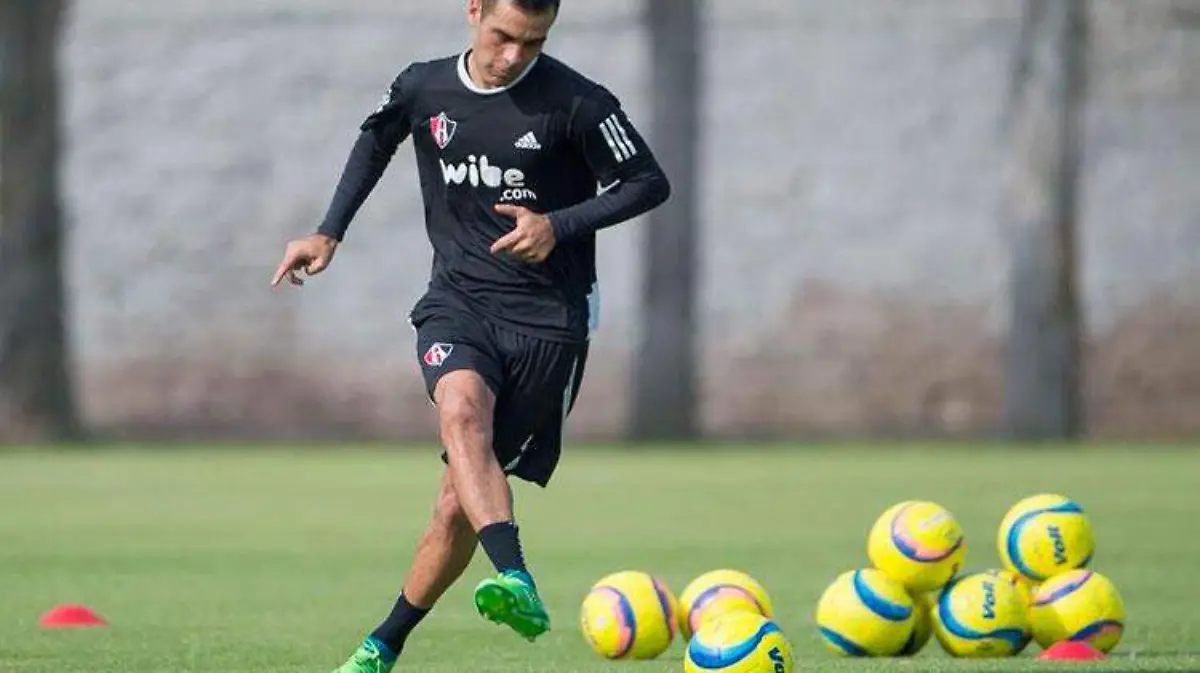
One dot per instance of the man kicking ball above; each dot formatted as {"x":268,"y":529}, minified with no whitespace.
{"x":521,"y":161}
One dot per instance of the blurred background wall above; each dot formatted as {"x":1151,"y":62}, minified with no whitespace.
{"x":854,"y":259}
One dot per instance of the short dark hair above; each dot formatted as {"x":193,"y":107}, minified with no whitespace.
{"x":531,"y":6}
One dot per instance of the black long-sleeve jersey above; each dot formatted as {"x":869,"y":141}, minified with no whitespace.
{"x":552,"y":141}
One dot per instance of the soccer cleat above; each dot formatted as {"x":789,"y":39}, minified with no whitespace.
{"x":370,"y":657}
{"x":510,"y":598}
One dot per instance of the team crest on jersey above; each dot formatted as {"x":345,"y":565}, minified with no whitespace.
{"x":437,"y":354}
{"x":442,"y":129}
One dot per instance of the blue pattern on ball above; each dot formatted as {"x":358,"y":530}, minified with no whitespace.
{"x":911,"y":551}
{"x":1093,"y":629}
{"x":893,"y":612}
{"x":665,"y":604}
{"x":1014,"y":535}
{"x":1063,"y":591}
{"x":628,"y":616}
{"x":1017,"y":638}
{"x":708,"y":594}
{"x":721,"y":656}
{"x":842,"y":642}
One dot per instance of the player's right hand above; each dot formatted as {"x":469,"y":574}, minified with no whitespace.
{"x":311,"y":254}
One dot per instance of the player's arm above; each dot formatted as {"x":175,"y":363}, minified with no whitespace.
{"x":631,"y":181}
{"x":380,"y":135}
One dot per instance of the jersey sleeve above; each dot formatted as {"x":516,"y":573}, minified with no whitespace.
{"x":629,"y":179}
{"x":380,"y":134}
{"x":610,"y":144}
{"x":393,"y":112}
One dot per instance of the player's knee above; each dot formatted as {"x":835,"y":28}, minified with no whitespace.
{"x":461,"y":417}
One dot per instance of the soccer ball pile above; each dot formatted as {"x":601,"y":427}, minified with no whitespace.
{"x":725,"y":617}
{"x":914,"y":589}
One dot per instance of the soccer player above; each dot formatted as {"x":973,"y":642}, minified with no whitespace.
{"x":522,"y":160}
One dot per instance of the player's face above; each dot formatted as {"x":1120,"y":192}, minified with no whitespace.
{"x":506,"y":39}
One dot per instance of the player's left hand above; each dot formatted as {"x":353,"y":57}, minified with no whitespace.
{"x":531,"y":240}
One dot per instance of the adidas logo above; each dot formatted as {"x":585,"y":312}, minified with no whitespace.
{"x":528,"y":142}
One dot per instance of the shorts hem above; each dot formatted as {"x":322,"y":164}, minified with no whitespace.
{"x":432,"y":381}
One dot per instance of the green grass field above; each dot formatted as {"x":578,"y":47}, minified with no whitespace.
{"x":264,"y":560}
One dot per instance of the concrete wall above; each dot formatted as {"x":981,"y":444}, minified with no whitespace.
{"x":854,"y":264}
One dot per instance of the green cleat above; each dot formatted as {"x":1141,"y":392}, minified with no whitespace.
{"x":510,"y":598}
{"x":369,"y":658}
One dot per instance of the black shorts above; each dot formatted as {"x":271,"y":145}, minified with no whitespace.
{"x":535,"y":381}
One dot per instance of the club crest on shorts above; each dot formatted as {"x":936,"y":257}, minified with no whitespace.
{"x":442,"y":128}
{"x":437,"y":354}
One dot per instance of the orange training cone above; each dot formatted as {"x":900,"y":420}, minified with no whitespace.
{"x":70,"y":616}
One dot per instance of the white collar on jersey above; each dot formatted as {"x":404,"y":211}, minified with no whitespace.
{"x":465,"y":77}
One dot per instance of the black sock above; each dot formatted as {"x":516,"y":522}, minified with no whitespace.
{"x":503,"y":547}
{"x":394,"y":630}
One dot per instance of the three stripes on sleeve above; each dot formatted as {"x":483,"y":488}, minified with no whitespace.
{"x":618,"y":141}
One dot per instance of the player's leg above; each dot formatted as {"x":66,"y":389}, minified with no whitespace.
{"x":464,"y":370}
{"x":443,"y":553}
{"x":465,"y":413}
{"x":529,"y":407}
{"x":465,"y":404}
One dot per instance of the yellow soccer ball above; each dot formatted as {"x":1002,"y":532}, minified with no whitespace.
{"x":922,"y":623}
{"x":738,"y":642}
{"x":981,"y":616}
{"x":1045,"y":535}
{"x":864,"y":613}
{"x":718,"y":592}
{"x":629,"y":615}
{"x":918,"y":544}
{"x":1024,"y":586}
{"x":1078,"y":605}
